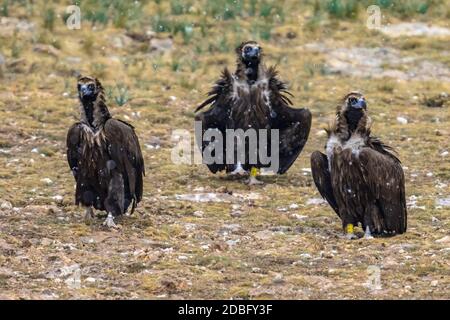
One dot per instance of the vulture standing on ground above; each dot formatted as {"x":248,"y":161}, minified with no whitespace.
{"x":104,"y":156}
{"x":359,"y":175}
{"x":254,"y":98}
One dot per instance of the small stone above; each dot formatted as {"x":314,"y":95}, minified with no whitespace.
{"x":298,"y":216}
{"x":58,"y":198}
{"x":47,"y":181}
{"x":278,"y":279}
{"x":46,"y":242}
{"x":402,"y":120}
{"x":434,"y":283}
{"x":198,"y":214}
{"x":294,"y":206}
{"x":6,"y":205}
{"x":445,"y":239}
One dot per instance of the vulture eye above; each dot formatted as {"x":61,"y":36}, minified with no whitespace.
{"x":247,"y":49}
{"x":91,"y":87}
{"x":352,"y":100}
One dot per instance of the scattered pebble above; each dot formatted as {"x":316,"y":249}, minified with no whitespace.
{"x":402,"y":120}
{"x":6,"y":205}
{"x":47,"y":181}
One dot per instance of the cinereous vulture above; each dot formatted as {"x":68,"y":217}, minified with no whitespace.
{"x":104,"y":156}
{"x":253,"y":98}
{"x":361,"y":178}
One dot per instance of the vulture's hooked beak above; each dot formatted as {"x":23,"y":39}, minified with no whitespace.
{"x":359,"y":103}
{"x":251,"y":53}
{"x":86,"y":90}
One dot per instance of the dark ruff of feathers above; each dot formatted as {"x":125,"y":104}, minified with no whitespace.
{"x":361,"y":178}
{"x":253,"y":97}
{"x":104,"y":156}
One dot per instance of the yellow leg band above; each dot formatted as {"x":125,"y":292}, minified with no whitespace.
{"x":254,"y":172}
{"x":349,"y":228}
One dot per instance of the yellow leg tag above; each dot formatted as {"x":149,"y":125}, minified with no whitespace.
{"x":254,"y":172}
{"x":349,"y":228}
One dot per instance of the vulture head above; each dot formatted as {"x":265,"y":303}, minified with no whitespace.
{"x":88,"y":89}
{"x":91,"y":94}
{"x":353,"y":108}
{"x":249,"y":53}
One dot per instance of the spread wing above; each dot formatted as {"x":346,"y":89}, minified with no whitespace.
{"x":384,"y":176}
{"x":322,"y":178}
{"x":294,"y":124}
{"x":125,"y":151}
{"x":219,"y":96}
{"x":217,"y":116}
{"x":73,"y":147}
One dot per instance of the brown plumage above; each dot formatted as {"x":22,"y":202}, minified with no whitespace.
{"x":360,"y":177}
{"x":104,"y":156}
{"x":254,"y":97}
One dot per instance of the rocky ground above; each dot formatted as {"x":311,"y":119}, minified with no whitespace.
{"x":198,"y":235}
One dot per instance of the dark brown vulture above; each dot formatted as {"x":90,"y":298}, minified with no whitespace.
{"x":360,"y":176}
{"x":253,"y":98}
{"x":104,"y":156}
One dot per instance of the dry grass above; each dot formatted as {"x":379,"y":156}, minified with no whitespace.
{"x":167,"y":251}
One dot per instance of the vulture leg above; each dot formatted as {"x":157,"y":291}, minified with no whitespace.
{"x":238,"y":170}
{"x":89,"y":215}
{"x":253,"y":180}
{"x":114,"y":203}
{"x":322,"y":178}
{"x":349,"y":233}
{"x":293,"y":137}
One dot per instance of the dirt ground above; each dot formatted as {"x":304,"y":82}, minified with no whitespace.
{"x":199,"y":235}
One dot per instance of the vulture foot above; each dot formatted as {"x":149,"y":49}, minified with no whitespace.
{"x":367,"y":234}
{"x":238,"y":170}
{"x":109,"y":222}
{"x":252,"y":180}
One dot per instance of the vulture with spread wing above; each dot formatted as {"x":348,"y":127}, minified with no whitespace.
{"x":360,"y":176}
{"x":104,"y":156}
{"x":253,"y":98}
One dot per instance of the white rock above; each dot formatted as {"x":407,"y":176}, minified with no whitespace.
{"x":198,"y":214}
{"x":58,"y":198}
{"x":232,"y":243}
{"x":445,"y":239}
{"x":444,"y":153}
{"x":47,"y":181}
{"x":298,"y":216}
{"x":315,"y":201}
{"x":6,"y":205}
{"x":278,"y":278}
{"x":402,"y":120}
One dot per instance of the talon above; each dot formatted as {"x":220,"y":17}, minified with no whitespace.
{"x":238,"y":170}
{"x":367,"y":234}
{"x":109,"y":222}
{"x":252,"y":180}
